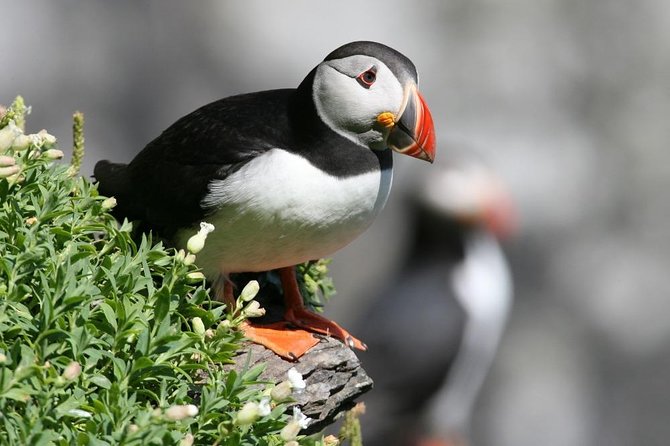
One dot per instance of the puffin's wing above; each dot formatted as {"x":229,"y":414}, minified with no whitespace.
{"x":166,"y":182}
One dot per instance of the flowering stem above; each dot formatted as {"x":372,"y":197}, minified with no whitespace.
{"x":78,"y":143}
{"x":351,"y":428}
{"x":17,"y":113}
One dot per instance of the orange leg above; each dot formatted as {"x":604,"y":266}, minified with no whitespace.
{"x":292,"y":337}
{"x":298,"y":315}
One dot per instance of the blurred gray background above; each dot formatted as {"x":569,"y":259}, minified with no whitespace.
{"x":568,"y":100}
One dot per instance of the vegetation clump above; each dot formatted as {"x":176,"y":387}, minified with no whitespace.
{"x":105,"y":339}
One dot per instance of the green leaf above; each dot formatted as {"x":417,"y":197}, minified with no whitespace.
{"x":100,"y":381}
{"x":109,"y":313}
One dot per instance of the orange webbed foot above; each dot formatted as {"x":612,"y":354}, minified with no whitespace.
{"x":305,"y":319}
{"x":279,"y":337}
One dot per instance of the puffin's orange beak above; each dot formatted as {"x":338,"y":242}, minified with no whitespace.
{"x":414,"y":133}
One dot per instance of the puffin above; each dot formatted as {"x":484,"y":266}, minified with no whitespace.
{"x":443,"y":313}
{"x":285,"y":176}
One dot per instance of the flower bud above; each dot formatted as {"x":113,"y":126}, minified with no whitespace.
{"x":31,"y":221}
{"x":290,"y":431}
{"x":48,"y":140}
{"x":180,"y":255}
{"x":197,"y":242}
{"x":209,"y":334}
{"x":181,"y":411}
{"x":189,"y":259}
{"x":292,"y":443}
{"x":248,"y":414}
{"x":7,"y":136}
{"x":253,"y":309}
{"x":250,"y":290}
{"x":187,"y":440}
{"x":223,"y":327}
{"x":53,"y":154}
{"x":281,"y":392}
{"x":6,"y":161}
{"x":195,"y":277}
{"x":72,"y":371}
{"x":133,"y":428}
{"x":17,"y":178}
{"x":108,"y":203}
{"x":21,"y":142}
{"x":3,"y":358}
{"x":8,"y":171}
{"x":198,"y":326}
{"x":331,"y":440}
{"x":321,"y":268}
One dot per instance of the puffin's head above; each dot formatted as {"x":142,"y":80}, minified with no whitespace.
{"x":472,"y":195}
{"x":367,"y":92}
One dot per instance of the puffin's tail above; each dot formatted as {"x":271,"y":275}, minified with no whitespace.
{"x":114,"y":181}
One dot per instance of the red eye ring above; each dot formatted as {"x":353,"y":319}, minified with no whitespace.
{"x":367,"y":78}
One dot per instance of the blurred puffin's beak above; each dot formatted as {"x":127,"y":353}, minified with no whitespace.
{"x":414,"y":133}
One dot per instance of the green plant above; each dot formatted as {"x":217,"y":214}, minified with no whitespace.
{"x":104,"y":339}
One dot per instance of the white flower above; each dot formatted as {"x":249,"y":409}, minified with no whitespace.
{"x":292,"y":429}
{"x":295,"y":378}
{"x":197,"y":242}
{"x":299,"y":417}
{"x":47,"y":140}
{"x":264,"y":408}
{"x":253,"y":309}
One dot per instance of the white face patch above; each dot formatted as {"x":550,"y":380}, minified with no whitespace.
{"x":350,"y":108}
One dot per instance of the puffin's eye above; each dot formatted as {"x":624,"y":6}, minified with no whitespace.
{"x":367,"y":78}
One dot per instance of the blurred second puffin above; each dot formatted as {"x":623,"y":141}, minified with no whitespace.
{"x":434,"y":331}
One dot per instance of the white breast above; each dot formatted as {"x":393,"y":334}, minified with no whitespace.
{"x":279,"y":210}
{"x":483,"y":286}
